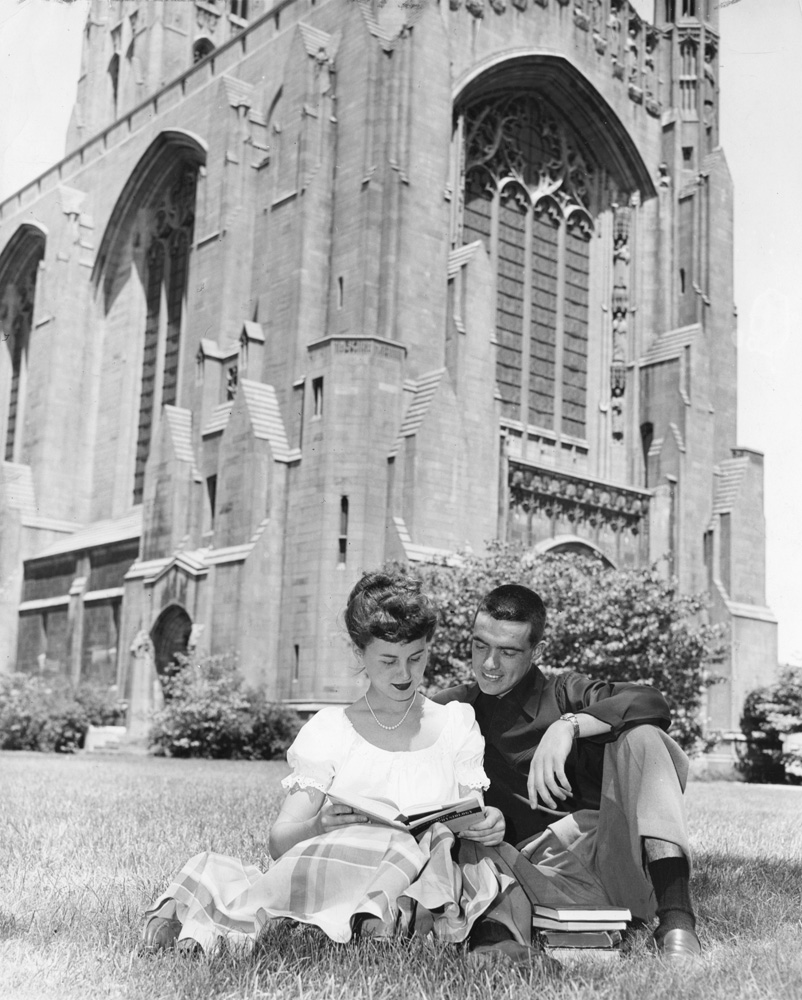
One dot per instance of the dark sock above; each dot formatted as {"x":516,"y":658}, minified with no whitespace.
{"x":671,"y":880}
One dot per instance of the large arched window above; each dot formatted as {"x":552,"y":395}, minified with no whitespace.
{"x":141,"y":276}
{"x":167,"y":238}
{"x":529,"y":194}
{"x":17,"y":290}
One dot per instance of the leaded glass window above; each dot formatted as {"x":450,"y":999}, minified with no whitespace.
{"x":528,"y":190}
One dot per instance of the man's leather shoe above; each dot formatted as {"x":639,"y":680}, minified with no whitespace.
{"x":678,"y":944}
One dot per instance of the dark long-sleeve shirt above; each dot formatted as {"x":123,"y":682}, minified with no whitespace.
{"x":514,"y":724}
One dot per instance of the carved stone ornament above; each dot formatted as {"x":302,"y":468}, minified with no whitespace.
{"x":206,"y":18}
{"x":581,"y":19}
{"x":499,"y":6}
{"x":232,"y":381}
{"x":515,"y":140}
{"x":475,"y":7}
{"x":560,"y":495}
{"x":142,"y":646}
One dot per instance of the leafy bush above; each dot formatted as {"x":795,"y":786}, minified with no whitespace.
{"x":616,"y":625}
{"x":210,"y":712}
{"x":273,"y":728}
{"x":51,"y":714}
{"x":770,"y":714}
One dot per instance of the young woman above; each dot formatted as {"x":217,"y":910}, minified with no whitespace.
{"x":332,"y":867}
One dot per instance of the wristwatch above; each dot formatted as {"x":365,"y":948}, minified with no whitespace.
{"x":570,"y":717}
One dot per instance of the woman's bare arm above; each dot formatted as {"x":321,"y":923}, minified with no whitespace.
{"x":305,"y":813}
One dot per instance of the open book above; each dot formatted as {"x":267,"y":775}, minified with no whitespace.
{"x":457,"y":815}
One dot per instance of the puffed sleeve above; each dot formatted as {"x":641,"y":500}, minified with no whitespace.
{"x":469,"y":747}
{"x":315,"y":752}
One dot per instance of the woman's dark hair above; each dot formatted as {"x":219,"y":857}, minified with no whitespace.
{"x":389,"y":606}
{"x":514,"y":603}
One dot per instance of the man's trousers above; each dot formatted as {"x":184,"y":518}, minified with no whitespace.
{"x":596,"y":857}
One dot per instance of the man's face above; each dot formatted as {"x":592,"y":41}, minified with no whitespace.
{"x":501,"y":653}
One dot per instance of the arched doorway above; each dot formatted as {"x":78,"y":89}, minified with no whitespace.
{"x":170,"y":636}
{"x":576,"y":545}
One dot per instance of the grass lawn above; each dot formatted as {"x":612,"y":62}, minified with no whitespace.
{"x":87,"y":842}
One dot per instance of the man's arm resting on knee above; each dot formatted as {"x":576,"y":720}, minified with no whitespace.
{"x":547,"y":782}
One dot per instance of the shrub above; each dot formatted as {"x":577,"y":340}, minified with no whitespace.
{"x":273,"y":728}
{"x":51,"y":714}
{"x":769,"y":714}
{"x":615,"y":625}
{"x":210,"y":712}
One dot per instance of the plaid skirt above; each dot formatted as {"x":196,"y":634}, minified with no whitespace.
{"x":375,"y":871}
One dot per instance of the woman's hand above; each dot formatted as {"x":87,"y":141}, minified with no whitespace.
{"x":489,"y":830}
{"x":336,"y":814}
{"x":305,"y":813}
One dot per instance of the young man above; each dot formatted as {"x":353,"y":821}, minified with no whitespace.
{"x":590,"y":785}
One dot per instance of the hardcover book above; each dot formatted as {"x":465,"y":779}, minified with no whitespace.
{"x":582,"y":939}
{"x":547,"y":924}
{"x":597,"y":914}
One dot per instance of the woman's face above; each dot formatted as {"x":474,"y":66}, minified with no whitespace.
{"x":394,"y":669}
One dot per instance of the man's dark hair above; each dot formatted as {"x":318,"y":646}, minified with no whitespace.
{"x":513,"y":603}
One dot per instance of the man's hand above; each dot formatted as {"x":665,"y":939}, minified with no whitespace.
{"x":335,"y":814}
{"x":489,"y":830}
{"x":547,"y":782}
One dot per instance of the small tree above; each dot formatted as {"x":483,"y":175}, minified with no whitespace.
{"x":770,"y":714}
{"x":615,"y":625}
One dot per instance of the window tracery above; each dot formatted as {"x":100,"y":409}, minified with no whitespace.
{"x":530,"y":193}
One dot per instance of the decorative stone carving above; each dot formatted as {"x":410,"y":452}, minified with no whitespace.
{"x":620,"y":311}
{"x":206,"y":16}
{"x":581,"y":19}
{"x":475,"y":7}
{"x":634,"y":87}
{"x":143,"y":681}
{"x":651,"y":84}
{"x":499,"y":6}
{"x":614,"y":27}
{"x":709,"y":98}
{"x":561,"y":495}
{"x":232,"y":379}
{"x":515,"y":140}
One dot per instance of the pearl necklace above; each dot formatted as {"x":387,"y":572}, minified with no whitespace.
{"x":403,"y":717}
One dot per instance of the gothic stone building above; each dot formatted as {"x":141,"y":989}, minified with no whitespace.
{"x":329,"y":282}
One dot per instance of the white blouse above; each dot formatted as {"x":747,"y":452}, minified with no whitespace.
{"x":330,"y":755}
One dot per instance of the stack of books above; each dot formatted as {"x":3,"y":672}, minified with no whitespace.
{"x":595,"y":930}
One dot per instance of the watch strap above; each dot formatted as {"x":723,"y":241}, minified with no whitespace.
{"x":570,"y":717}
